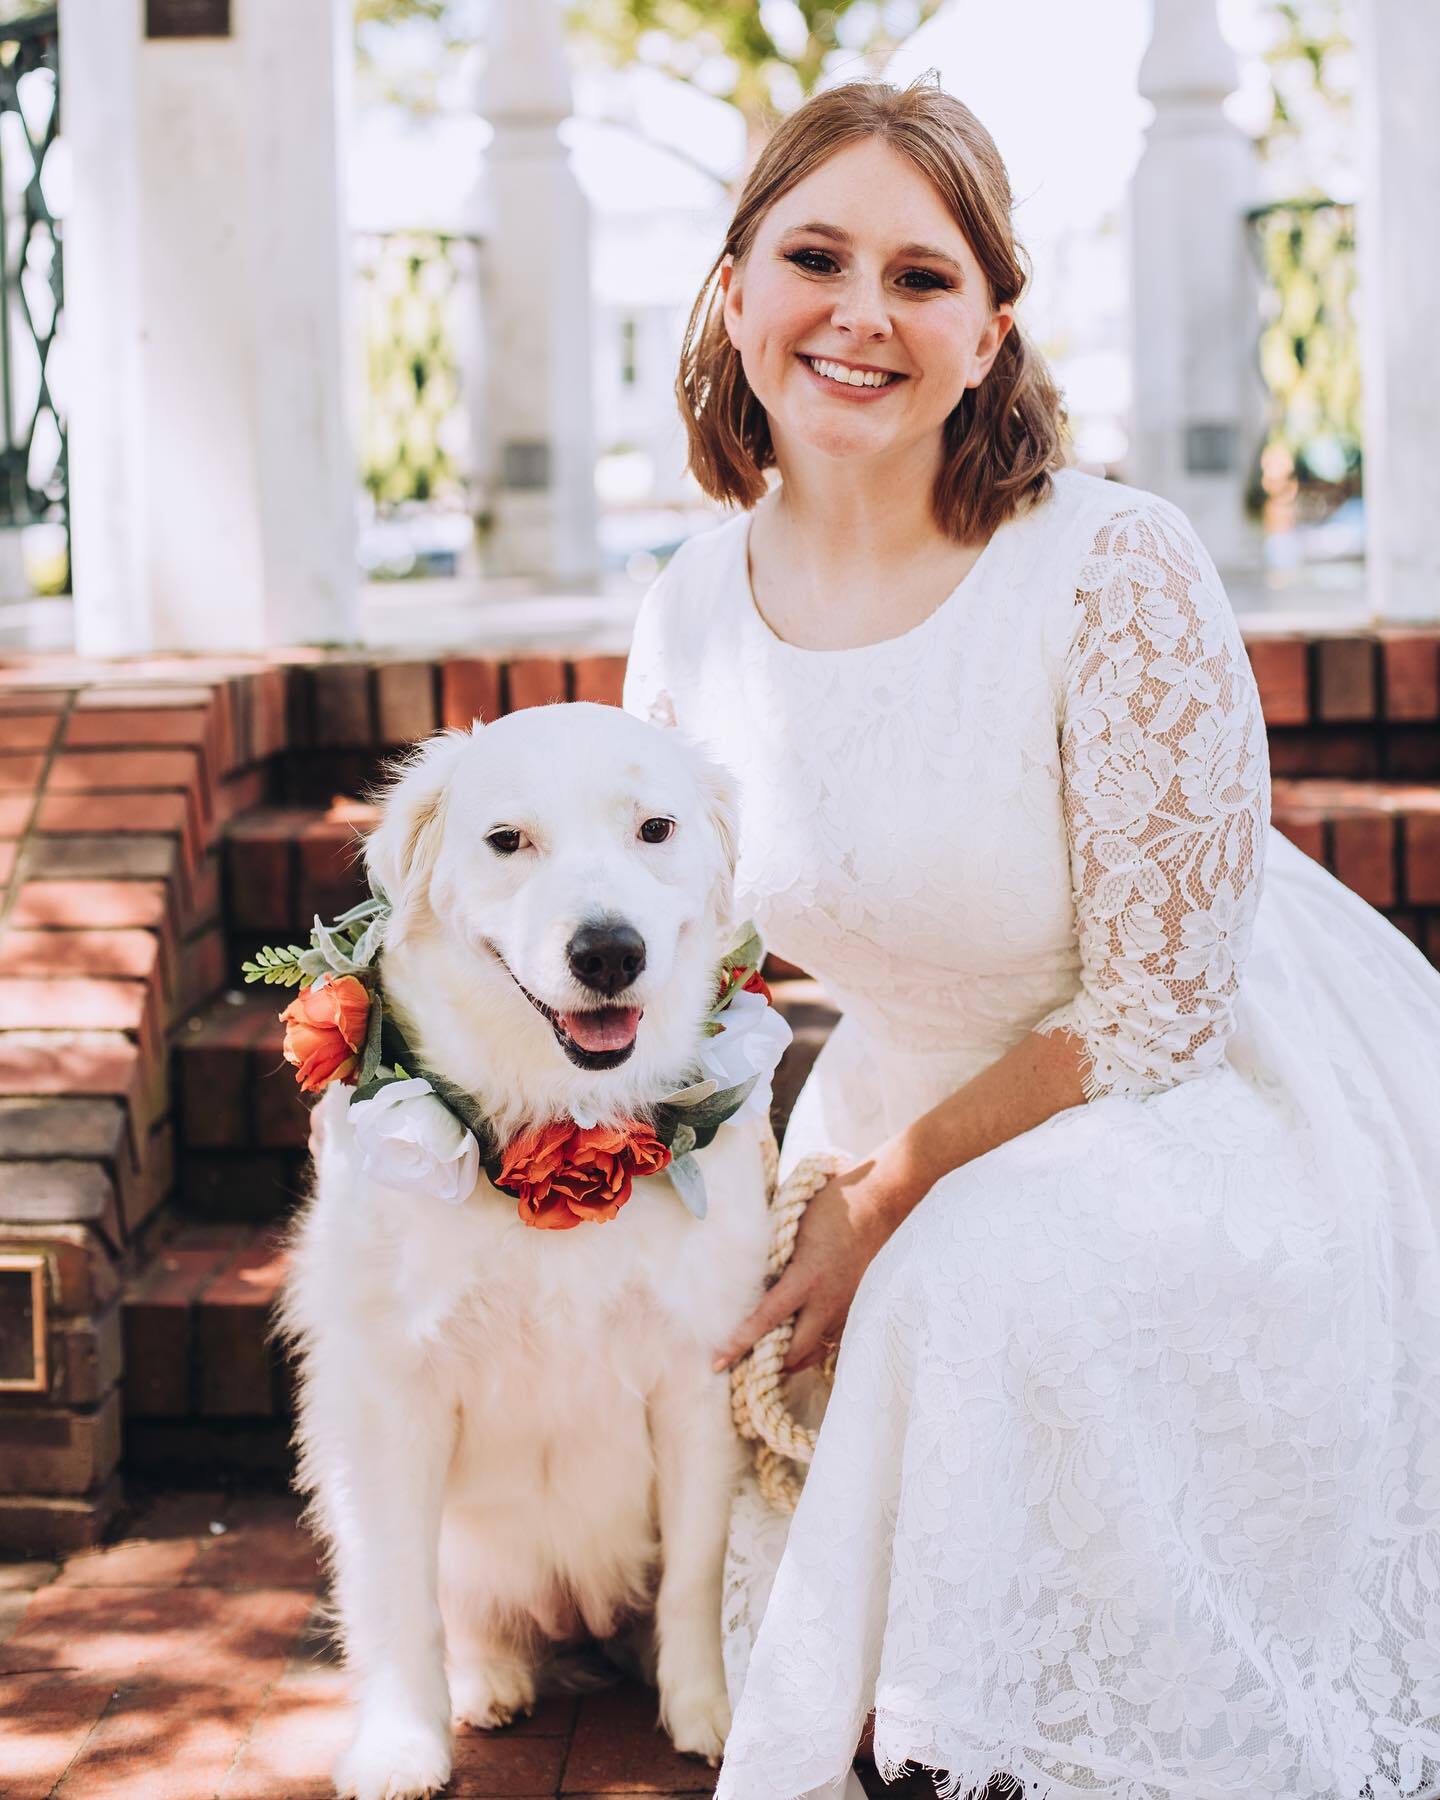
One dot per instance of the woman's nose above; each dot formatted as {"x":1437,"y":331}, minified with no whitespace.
{"x":862,"y":310}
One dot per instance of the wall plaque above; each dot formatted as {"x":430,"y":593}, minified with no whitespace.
{"x":525,"y":466}
{"x":1210,"y":448}
{"x":23,"y":1325}
{"x":187,"y":18}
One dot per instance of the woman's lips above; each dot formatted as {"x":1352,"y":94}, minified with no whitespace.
{"x":844,"y":389}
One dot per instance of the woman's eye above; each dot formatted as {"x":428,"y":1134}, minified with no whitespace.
{"x":504,"y":843}
{"x":655,"y":831}
{"x":928,"y":279}
{"x":798,"y":258}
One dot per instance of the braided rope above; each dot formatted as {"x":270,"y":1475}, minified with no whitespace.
{"x":783,"y":1446}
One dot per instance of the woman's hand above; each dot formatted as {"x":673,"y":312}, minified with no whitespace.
{"x":842,"y":1228}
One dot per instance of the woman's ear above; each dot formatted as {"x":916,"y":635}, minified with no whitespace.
{"x":999,"y":327}
{"x":730,"y":296}
{"x":401,"y":852}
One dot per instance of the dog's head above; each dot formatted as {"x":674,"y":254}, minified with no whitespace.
{"x":568,"y":871}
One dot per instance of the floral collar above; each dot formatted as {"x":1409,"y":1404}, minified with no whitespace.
{"x":417,"y":1131}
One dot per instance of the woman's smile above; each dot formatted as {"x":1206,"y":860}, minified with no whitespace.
{"x":849,"y":381}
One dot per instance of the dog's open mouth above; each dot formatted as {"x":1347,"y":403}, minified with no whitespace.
{"x":600,"y":1038}
{"x":595,"y":1037}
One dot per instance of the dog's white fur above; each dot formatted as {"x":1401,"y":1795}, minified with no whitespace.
{"x":503,"y":1427}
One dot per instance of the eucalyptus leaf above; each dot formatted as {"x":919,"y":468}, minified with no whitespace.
{"x":367,"y":945}
{"x":683,"y":1141}
{"x":692,"y":1095}
{"x":689,"y":1184}
{"x":370,"y":1057}
{"x":367,"y":909}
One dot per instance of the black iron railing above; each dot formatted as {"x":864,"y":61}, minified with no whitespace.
{"x":34,"y":463}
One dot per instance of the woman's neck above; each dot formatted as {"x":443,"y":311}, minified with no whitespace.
{"x":847,"y":521}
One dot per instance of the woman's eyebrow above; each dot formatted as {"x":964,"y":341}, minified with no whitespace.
{"x":840,"y":236}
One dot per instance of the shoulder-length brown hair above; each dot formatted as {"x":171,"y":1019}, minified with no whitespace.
{"x":1003,"y":437}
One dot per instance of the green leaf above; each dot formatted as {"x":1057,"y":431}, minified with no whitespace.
{"x":689,"y":1183}
{"x":277,"y":965}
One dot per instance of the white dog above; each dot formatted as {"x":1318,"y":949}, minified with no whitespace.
{"x":514,"y":1436}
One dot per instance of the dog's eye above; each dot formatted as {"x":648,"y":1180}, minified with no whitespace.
{"x":655,"y":831}
{"x":504,"y":843}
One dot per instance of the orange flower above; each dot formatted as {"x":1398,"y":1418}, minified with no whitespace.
{"x":565,"y":1173}
{"x":325,"y":1032}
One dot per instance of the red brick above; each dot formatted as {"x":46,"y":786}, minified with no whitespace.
{"x":126,"y":813}
{"x":306,"y":1722}
{"x":238,"y":794}
{"x":498,"y":1766}
{"x":54,"y":1713}
{"x":20,"y":773}
{"x":8,"y":858}
{"x":134,"y":1562}
{"x":103,"y":772}
{"x":15,"y":811}
{"x":404,"y":701}
{"x":138,"y":727}
{"x":341,"y":702}
{"x":1422,"y":858}
{"x":71,"y":1003}
{"x":1412,"y":676}
{"x":1364,"y":851}
{"x":27,"y":731}
{"x":61,"y":1191}
{"x":54,"y":1062}
{"x":264,"y":1546}
{"x":38,"y":1129}
{"x":240,"y":1639}
{"x":159,"y":1328}
{"x":59,"y":1452}
{"x":332,"y":870}
{"x":1346,"y":686}
{"x":281,"y":1116}
{"x":533,"y":681}
{"x":204,"y":968}
{"x":213,"y":1062}
{"x":159,"y":1741}
{"x":125,"y":691}
{"x":599,"y":678}
{"x":88,"y":1359}
{"x":104,"y":856}
{"x":1281,"y":668}
{"x":1306,"y":833}
{"x":90,"y":903}
{"x":618,"y":1748}
{"x":236,"y":1363}
{"x":230,"y":1185}
{"x":1339,"y":753}
{"x":469,"y":690}
{"x":260,"y":866}
{"x":34,"y":1524}
{"x":133,"y":955}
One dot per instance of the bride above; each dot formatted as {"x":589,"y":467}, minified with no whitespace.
{"x":1129,"y":1483}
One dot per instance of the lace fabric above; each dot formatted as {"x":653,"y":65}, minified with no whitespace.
{"x":1130,"y":1481}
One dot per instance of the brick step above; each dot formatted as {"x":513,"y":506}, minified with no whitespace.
{"x":242,"y":1122}
{"x":1381,"y":838}
{"x":283,"y":865}
{"x":206,"y":1391}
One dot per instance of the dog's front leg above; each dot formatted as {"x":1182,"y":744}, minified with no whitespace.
{"x":696,"y":1461}
{"x":379,"y":1440}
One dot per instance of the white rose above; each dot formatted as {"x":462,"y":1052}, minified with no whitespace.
{"x":408,"y":1138}
{"x":753,"y":1041}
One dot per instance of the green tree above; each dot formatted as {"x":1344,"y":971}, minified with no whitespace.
{"x":763,"y":59}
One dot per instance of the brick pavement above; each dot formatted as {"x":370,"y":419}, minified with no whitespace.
{"x":187,"y":1661}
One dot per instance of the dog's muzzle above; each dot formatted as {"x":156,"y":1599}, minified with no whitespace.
{"x":606,"y":959}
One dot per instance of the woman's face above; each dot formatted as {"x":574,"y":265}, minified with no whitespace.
{"x":860,"y":267}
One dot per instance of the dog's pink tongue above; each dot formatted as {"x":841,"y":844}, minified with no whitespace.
{"x":606,"y":1028}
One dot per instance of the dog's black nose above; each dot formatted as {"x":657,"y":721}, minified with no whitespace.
{"x":606,"y":957}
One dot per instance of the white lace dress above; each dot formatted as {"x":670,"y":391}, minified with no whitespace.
{"x":1130,"y":1480}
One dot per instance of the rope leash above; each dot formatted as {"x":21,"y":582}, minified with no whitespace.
{"x":783,"y":1446}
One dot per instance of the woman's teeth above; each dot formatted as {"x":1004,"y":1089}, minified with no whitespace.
{"x":851,"y":377}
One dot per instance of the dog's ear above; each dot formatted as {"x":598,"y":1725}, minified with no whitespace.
{"x":401,"y":851}
{"x":722,"y":808}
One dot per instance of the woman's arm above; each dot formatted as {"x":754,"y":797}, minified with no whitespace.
{"x":852,"y":1215}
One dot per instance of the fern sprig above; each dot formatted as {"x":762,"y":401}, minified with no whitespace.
{"x":277,"y":965}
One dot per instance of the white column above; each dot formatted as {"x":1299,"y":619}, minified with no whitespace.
{"x":1399,"y":251}
{"x":212,"y":483}
{"x":1198,"y":407}
{"x":539,"y":434}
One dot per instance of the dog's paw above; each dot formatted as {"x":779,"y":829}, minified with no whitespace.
{"x":394,"y":1755}
{"x":698,"y":1721}
{"x":489,"y":1694}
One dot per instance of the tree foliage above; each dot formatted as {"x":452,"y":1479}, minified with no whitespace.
{"x":762,"y":58}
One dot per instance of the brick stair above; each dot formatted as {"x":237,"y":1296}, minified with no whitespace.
{"x":158,"y":819}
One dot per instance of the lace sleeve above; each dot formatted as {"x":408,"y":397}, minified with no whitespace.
{"x":1166,"y":797}
{"x":647,"y":692}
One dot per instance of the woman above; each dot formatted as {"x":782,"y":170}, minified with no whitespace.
{"x":1130,"y":1480}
